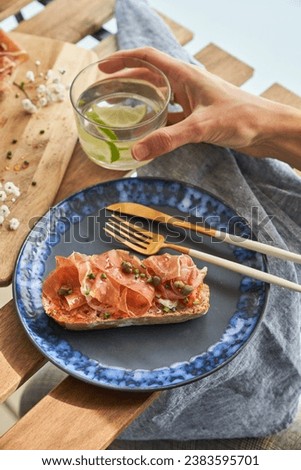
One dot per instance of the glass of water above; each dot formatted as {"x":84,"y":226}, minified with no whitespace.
{"x":116,"y":103}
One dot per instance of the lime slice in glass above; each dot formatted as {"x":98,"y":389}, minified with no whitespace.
{"x":95,"y":148}
{"x":120,"y":116}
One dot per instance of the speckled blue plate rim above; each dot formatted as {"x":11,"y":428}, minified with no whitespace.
{"x":240,"y":330}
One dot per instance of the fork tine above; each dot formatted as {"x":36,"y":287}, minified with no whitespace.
{"x":137,"y":238}
{"x":125,"y":227}
{"x":124,"y":231}
{"x":125,"y":242}
{"x":140,"y":230}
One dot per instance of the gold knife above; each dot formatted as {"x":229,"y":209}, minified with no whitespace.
{"x":139,"y":210}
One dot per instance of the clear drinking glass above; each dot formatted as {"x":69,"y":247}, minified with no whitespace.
{"x":116,"y":103}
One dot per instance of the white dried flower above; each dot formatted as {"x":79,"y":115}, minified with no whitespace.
{"x":1,"y":219}
{"x":41,"y":89}
{"x":43,"y":101}
{"x":30,"y":76}
{"x":32,"y":110}
{"x":53,"y":97}
{"x":28,"y":106}
{"x":49,"y":74}
{"x":2,"y":196}
{"x":52,"y":90}
{"x":10,"y":187}
{"x":61,"y":97}
{"x":48,"y":94}
{"x":58,"y":97}
{"x":14,"y":224}
{"x":58,"y":88}
{"x":26,"y":103}
{"x":17,"y":192}
{"x":4,"y":210}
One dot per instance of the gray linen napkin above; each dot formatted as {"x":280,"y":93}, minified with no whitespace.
{"x":257,"y":393}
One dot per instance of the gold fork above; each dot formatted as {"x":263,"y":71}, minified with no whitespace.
{"x":149,"y":243}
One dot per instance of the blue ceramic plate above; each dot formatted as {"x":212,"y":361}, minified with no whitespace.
{"x":143,"y":357}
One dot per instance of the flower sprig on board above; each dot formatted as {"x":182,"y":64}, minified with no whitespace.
{"x":42,"y":88}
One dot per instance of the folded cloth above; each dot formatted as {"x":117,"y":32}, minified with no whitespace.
{"x":257,"y":393}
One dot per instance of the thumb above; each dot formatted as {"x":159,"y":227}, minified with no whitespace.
{"x":166,"y":139}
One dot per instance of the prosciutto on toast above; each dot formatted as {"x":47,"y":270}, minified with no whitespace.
{"x":116,"y":288}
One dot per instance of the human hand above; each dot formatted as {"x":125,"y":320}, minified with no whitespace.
{"x":214,"y":111}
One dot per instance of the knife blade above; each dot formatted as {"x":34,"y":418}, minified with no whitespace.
{"x":139,"y":210}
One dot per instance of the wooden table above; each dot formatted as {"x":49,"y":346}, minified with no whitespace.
{"x":102,"y":413}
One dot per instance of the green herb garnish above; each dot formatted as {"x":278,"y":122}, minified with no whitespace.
{"x":166,"y":309}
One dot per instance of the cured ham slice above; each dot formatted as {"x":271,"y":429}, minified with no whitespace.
{"x":179,"y":275}
{"x":62,"y":286}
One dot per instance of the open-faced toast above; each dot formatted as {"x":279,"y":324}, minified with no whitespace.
{"x":116,"y":289}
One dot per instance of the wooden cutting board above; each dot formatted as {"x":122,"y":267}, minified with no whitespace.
{"x":35,"y":149}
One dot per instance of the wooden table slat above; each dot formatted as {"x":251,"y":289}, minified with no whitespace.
{"x":225,"y":65}
{"x":69,"y":20}
{"x":279,"y":93}
{"x":19,"y":358}
{"x":11,"y":7}
{"x":76,"y":416}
